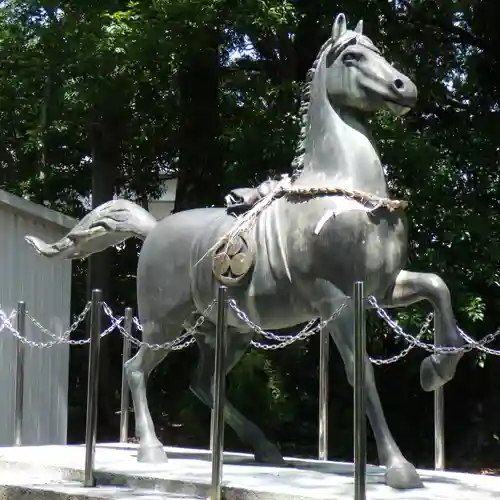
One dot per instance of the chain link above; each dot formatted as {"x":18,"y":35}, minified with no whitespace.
{"x":63,"y":339}
{"x":6,"y":320}
{"x":386,"y":361}
{"x":480,"y":345}
{"x":472,"y":344}
{"x":284,"y":340}
{"x":187,"y":338}
{"x":67,"y":334}
{"x":381,"y":313}
{"x":179,"y":343}
{"x":137,"y":323}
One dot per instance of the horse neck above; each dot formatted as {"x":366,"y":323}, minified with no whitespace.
{"x":340,"y":151}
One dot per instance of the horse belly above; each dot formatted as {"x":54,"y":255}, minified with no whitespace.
{"x":165,"y":270}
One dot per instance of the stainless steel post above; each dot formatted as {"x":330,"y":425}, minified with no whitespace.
{"x":359,"y":393}
{"x":20,"y":355}
{"x":439,"y":429}
{"x":324,"y":352}
{"x":92,"y":387}
{"x":219,"y":395}
{"x":438,"y":422}
{"x":125,"y":394}
{"x":212,"y":422}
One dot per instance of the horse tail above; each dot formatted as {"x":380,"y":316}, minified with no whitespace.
{"x":105,"y":226}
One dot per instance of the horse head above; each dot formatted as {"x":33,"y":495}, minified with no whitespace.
{"x":348,"y":79}
{"x":359,"y":77}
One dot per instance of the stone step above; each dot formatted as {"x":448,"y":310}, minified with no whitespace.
{"x":69,"y":490}
{"x":57,"y":472}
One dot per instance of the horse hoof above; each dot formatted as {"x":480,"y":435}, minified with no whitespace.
{"x":269,"y":455}
{"x":432,"y":372}
{"x":403,"y":477}
{"x":152,"y":454}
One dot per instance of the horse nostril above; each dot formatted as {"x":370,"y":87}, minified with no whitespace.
{"x":398,"y":84}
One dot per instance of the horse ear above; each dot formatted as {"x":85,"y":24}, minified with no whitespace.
{"x":359,"y":27}
{"x":339,"y":27}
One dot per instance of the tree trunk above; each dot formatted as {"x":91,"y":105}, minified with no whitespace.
{"x":105,"y":152}
{"x":200,"y":164}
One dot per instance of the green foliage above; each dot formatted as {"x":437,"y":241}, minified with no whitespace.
{"x":143,"y":70}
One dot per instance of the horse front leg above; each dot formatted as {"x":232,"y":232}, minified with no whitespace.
{"x":411,"y":287}
{"x":400,"y":473}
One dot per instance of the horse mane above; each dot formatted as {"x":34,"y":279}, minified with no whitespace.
{"x":305,"y":101}
{"x":305,"y":97}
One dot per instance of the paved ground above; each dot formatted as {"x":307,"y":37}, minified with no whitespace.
{"x":56,"y":472}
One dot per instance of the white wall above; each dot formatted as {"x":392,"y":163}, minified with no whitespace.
{"x":45,"y":285}
{"x":163,"y":206}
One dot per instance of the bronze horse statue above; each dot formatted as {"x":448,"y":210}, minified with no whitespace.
{"x":299,"y":270}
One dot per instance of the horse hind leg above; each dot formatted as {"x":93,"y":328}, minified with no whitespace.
{"x":138,"y":370}
{"x":400,"y":474}
{"x":201,"y":386}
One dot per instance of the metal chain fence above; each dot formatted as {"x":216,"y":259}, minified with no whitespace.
{"x":187,"y":337}
{"x":125,"y":325}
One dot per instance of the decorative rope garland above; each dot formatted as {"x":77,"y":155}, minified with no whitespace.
{"x":354,"y":194}
{"x":285,"y":188}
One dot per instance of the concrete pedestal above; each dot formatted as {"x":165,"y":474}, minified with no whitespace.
{"x":56,"y":472}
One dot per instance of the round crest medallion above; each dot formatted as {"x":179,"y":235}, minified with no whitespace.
{"x":232,"y":261}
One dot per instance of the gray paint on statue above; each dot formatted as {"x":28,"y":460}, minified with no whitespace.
{"x":297,"y":274}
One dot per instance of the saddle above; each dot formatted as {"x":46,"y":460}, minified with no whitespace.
{"x":234,"y":261}
{"x":240,"y":200}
